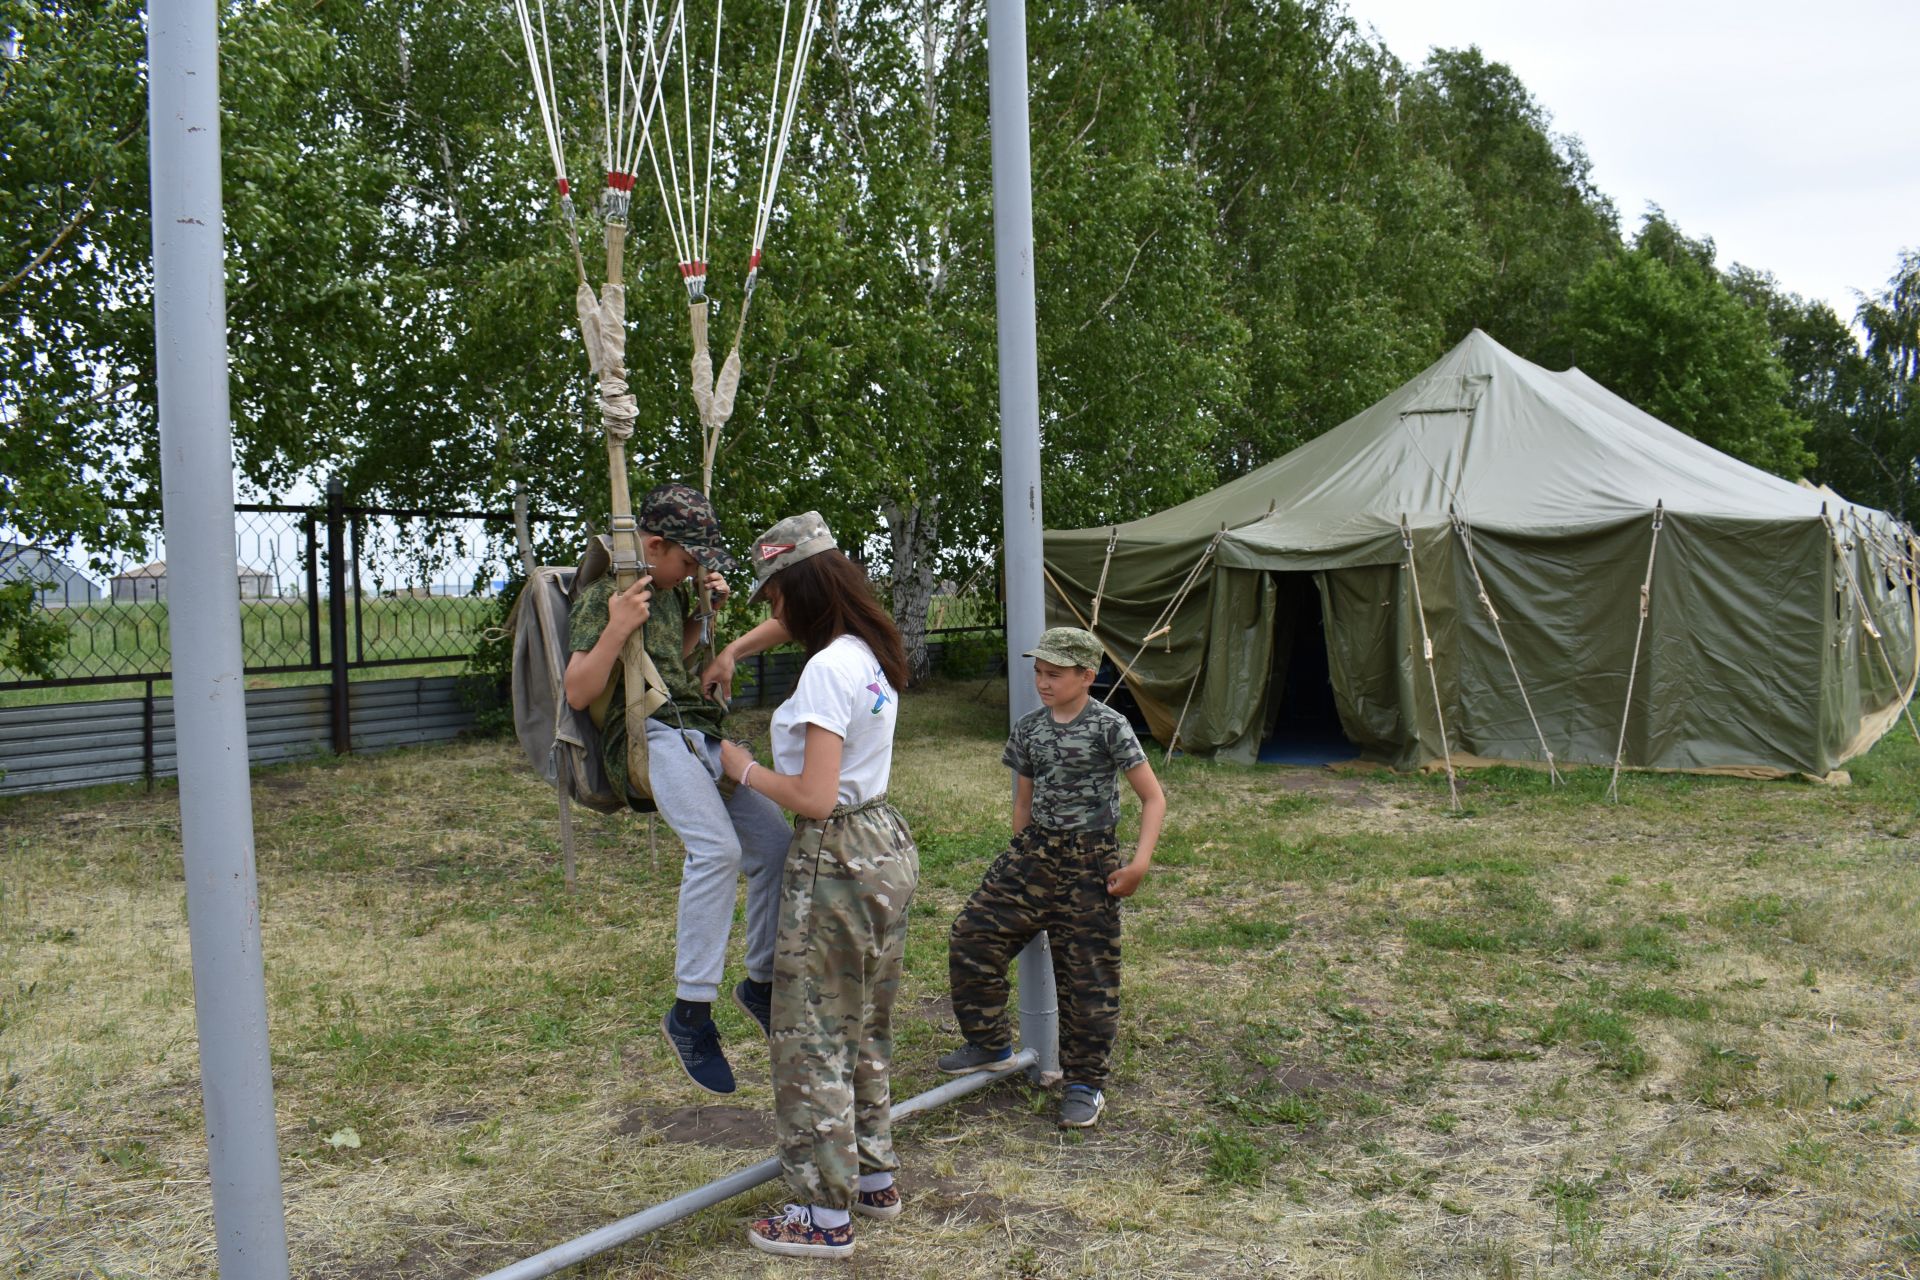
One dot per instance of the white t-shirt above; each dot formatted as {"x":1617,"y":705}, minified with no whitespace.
{"x":843,"y":690}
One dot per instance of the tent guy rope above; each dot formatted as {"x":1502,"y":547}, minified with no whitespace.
{"x":1633,"y":666}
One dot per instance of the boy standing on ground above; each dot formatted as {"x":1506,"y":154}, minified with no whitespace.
{"x":681,"y":543}
{"x":1061,"y":874}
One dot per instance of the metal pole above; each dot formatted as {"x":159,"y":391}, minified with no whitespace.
{"x":1019,"y":438}
{"x":575,"y":1251}
{"x":210,"y":717}
{"x":337,"y":616}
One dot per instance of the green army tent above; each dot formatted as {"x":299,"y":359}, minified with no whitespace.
{"x":1509,"y":564}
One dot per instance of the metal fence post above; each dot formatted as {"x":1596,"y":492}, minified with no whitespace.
{"x":337,"y":613}
{"x":203,"y":619}
{"x":1019,"y":357}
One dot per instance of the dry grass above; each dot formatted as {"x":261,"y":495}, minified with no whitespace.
{"x":1361,"y":1038}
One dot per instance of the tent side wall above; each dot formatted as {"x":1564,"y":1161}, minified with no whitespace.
{"x":1725,"y":675}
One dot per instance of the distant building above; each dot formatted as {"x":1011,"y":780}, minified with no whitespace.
{"x":69,"y":586}
{"x":149,"y":582}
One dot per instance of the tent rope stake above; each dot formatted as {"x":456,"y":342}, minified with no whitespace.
{"x":1866,"y":618}
{"x":1633,"y":666}
{"x":1433,"y":678}
{"x":1480,"y":587}
{"x":1113,"y":540}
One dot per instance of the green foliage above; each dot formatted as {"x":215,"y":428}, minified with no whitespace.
{"x":1541,"y":223}
{"x":1659,"y":326}
{"x":31,"y":638}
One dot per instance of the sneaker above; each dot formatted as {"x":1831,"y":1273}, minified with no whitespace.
{"x":1080,"y":1106}
{"x":756,"y":1001}
{"x":794,"y":1235}
{"x":884,"y":1203}
{"x":970,"y":1057}
{"x":698,"y":1051}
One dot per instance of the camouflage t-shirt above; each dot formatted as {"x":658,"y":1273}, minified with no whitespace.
{"x":663,"y":637}
{"x":1076,"y":766}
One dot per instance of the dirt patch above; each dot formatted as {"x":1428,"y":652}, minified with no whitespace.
{"x":1349,"y":792}
{"x":1298,"y":1077}
{"x":458,"y":1117}
{"x":951,"y":1198}
{"x":732,"y":1128}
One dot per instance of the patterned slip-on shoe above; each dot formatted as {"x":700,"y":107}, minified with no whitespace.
{"x":756,"y":1001}
{"x":697,"y":1050}
{"x":884,"y":1203}
{"x":794,"y":1235}
{"x":1080,"y":1106}
{"x":970,"y":1057}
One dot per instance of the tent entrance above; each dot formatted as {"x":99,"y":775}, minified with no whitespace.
{"x":1303,"y":720}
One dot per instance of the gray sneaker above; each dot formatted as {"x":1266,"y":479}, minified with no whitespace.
{"x":970,"y":1057}
{"x":1080,"y":1106}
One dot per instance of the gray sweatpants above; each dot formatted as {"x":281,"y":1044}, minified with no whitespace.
{"x":722,"y":837}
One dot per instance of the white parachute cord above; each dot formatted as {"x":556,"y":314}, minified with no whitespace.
{"x":713,"y":113}
{"x":606,"y":86}
{"x":677,"y":215}
{"x":693,"y":190}
{"x":639,"y":135}
{"x":809,"y":23}
{"x":542,"y":95}
{"x":556,"y":138}
{"x":766,"y":145}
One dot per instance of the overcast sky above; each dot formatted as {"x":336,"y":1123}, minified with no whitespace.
{"x":1786,"y":132}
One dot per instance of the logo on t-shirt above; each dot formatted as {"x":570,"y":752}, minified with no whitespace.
{"x":879,"y":691}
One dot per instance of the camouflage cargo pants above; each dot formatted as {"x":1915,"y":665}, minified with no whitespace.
{"x":1054,"y":881}
{"x":836,"y":972}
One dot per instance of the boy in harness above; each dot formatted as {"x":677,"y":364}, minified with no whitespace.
{"x":723,"y":831}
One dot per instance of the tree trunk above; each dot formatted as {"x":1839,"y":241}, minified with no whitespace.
{"x":916,"y":531}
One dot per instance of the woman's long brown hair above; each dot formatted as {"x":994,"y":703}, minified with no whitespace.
{"x":827,"y":596}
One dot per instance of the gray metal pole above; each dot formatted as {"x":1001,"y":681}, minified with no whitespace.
{"x":1019,"y":438}
{"x":203,"y":609}
{"x":575,"y":1251}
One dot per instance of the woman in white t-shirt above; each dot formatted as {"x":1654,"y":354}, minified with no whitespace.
{"x":850,"y":872}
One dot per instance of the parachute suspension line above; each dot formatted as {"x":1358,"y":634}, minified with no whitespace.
{"x":796,"y":77}
{"x":760,"y":198}
{"x":1866,"y":620}
{"x":1113,"y":540}
{"x":1465,"y":535}
{"x":693,"y":195}
{"x":1633,"y":667}
{"x":713,"y":111}
{"x":1433,"y":679}
{"x":540,"y":69}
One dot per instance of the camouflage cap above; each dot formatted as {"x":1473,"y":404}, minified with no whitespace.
{"x":1068,"y":647}
{"x":682,"y":514}
{"x":792,"y":540}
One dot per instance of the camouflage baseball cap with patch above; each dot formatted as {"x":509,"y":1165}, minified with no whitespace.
{"x":1067,"y":647}
{"x":680,"y":513}
{"x":792,"y":540}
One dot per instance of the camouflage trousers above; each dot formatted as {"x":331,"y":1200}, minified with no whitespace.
{"x":836,"y":972}
{"x":1056,"y":882}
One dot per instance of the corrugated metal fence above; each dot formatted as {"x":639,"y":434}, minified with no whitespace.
{"x":81,"y":744}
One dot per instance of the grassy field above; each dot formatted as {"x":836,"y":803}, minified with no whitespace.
{"x":1361,"y":1037}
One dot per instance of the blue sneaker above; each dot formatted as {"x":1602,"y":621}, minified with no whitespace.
{"x":756,"y":1001}
{"x":970,"y":1057}
{"x":698,"y":1051}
